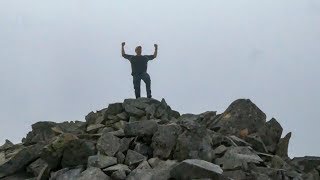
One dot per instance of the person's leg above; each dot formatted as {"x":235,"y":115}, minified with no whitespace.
{"x":146,"y":78}
{"x":136,"y":85}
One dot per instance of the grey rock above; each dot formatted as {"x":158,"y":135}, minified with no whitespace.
{"x":67,"y":174}
{"x":41,"y":132}
{"x":282,"y":147}
{"x":8,"y":144}
{"x":36,"y":167}
{"x":118,"y":175}
{"x":143,"y":149}
{"x":237,"y":157}
{"x":108,"y":144}
{"x":125,"y":144}
{"x":123,"y":116}
{"x":93,"y":173}
{"x":256,"y":143}
{"x":76,"y":152}
{"x":164,"y":140}
{"x":144,"y":165}
{"x":120,"y":157}
{"x":241,"y":114}
{"x":236,"y":174}
{"x":119,"y":125}
{"x":307,"y":163}
{"x":133,"y":110}
{"x":101,"y":161}
{"x":119,"y":133}
{"x":133,"y":158}
{"x":114,"y":108}
{"x":195,"y":168}
{"x":141,"y":128}
{"x":118,"y":167}
{"x":270,"y":134}
{"x":20,"y":159}
{"x":93,"y":128}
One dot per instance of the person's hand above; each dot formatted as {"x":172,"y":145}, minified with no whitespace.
{"x":123,"y":44}
{"x":156,"y":46}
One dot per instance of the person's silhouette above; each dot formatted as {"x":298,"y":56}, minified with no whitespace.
{"x":139,"y":65}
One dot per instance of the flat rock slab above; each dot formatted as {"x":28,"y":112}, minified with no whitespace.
{"x":108,"y":144}
{"x":134,"y":157}
{"x":195,"y":169}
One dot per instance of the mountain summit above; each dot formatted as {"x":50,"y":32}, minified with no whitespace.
{"x":145,"y":139}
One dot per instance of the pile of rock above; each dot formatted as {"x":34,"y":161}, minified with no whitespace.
{"x":144,"y":139}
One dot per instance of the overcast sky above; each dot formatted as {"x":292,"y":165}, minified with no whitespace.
{"x":61,"y":59}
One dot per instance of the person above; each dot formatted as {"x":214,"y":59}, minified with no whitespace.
{"x":139,"y":65}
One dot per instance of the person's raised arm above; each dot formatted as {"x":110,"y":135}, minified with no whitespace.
{"x":155,"y":50}
{"x":122,"y":49}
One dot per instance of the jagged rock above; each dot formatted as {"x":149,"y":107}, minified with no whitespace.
{"x":143,"y":149}
{"x":256,"y":143}
{"x":67,"y":174}
{"x":52,"y":153}
{"x":20,"y":159}
{"x":36,"y":167}
{"x":237,"y":157}
{"x":101,"y":161}
{"x":164,"y":140}
{"x":8,"y":144}
{"x":76,"y":152}
{"x":120,"y":157}
{"x":93,"y":128}
{"x":108,"y":144}
{"x":241,"y":114}
{"x":278,"y":163}
{"x":163,"y":110}
{"x":270,"y":134}
{"x":238,"y":141}
{"x":282,"y":147}
{"x":307,"y":163}
{"x":220,"y":150}
{"x":141,"y":128}
{"x":119,"y":133}
{"x":131,"y":107}
{"x":195,"y":169}
{"x":144,"y":165}
{"x":41,"y":131}
{"x":118,"y":167}
{"x":114,"y":108}
{"x":133,"y":157}
{"x":125,"y":143}
{"x":119,"y":125}
{"x":118,"y":175}
{"x":194,"y":144}
{"x":123,"y":116}
{"x":93,"y":173}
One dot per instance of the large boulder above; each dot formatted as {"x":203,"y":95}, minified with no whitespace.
{"x":270,"y":134}
{"x":41,"y":132}
{"x":196,"y":169}
{"x":164,"y":140}
{"x":241,"y":114}
{"x":307,"y":163}
{"x":283,"y":145}
{"x":20,"y":158}
{"x":76,"y":152}
{"x":194,"y":144}
{"x":108,"y":144}
{"x":141,"y":128}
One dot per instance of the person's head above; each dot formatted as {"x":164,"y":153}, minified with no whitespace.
{"x":138,"y":50}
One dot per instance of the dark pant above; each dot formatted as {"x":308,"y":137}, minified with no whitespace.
{"x":137,"y":83}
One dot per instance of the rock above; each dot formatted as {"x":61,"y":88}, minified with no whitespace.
{"x":133,"y":158}
{"x":108,"y":144}
{"x":195,"y":169}
{"x":41,"y":132}
{"x":256,"y":143}
{"x":220,"y":150}
{"x":125,"y":143}
{"x":118,"y":175}
{"x":194,"y":144}
{"x":141,"y":128}
{"x":236,"y":174}
{"x":118,"y":167}
{"x":282,"y":147}
{"x":132,"y":110}
{"x":278,"y":163}
{"x":307,"y":163}
{"x":36,"y":167}
{"x":93,"y":173}
{"x":20,"y":159}
{"x":150,"y":111}
{"x":143,"y":149}
{"x":123,"y":116}
{"x":119,"y":125}
{"x":164,"y":140}
{"x":114,"y":108}
{"x":101,"y":161}
{"x":8,"y":144}
{"x":237,"y":157}
{"x":119,"y":133}
{"x":93,"y":128}
{"x":76,"y":152}
{"x":67,"y":174}
{"x":163,"y":110}
{"x":241,"y":114}
{"x":270,"y":134}
{"x":120,"y":157}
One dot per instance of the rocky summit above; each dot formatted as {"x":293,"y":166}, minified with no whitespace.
{"x":145,"y":139}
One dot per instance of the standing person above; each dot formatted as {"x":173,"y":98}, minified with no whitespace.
{"x":139,"y":65}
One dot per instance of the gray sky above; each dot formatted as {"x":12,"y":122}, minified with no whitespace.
{"x":61,"y":59}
